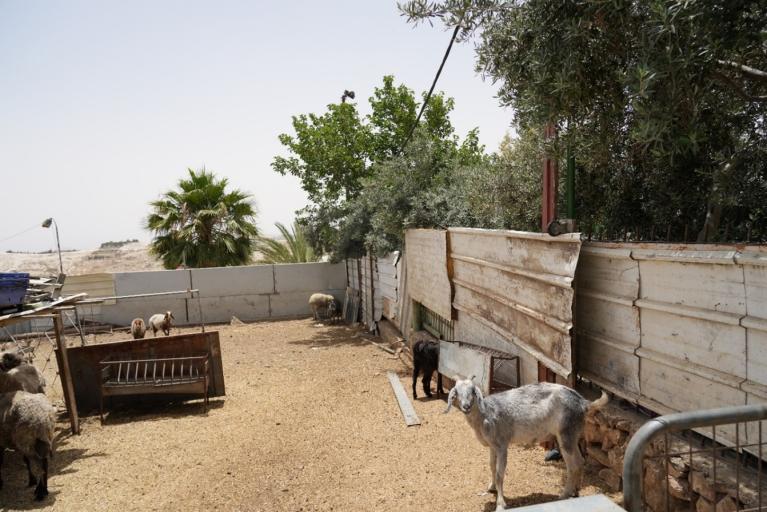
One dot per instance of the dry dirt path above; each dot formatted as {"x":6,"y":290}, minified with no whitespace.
{"x":309,"y":423}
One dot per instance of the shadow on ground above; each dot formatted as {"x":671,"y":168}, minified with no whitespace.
{"x":15,"y":493}
{"x":334,"y":335}
{"x":156,"y":410}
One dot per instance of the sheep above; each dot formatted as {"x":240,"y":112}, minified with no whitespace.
{"x":15,"y":376}
{"x":161,"y":322}
{"x":138,"y":328}
{"x":320,"y":301}
{"x":27,"y":422}
{"x":426,"y":361}
{"x":526,"y":415}
{"x":10,"y":360}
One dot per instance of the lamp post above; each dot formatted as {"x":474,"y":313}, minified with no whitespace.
{"x":46,"y":224}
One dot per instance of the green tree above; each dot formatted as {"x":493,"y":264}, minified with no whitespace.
{"x":202,"y":224}
{"x":662,"y":100}
{"x":334,"y":154}
{"x":293,"y":248}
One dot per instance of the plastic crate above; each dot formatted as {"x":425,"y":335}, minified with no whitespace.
{"x":13,"y":288}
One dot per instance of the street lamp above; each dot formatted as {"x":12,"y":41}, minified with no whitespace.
{"x":46,"y":224}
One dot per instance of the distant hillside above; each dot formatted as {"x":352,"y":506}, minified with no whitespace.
{"x":125,"y":256}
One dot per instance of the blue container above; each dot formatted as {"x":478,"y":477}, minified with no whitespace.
{"x":13,"y":288}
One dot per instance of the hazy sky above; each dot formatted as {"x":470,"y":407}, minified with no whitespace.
{"x":104,"y":104}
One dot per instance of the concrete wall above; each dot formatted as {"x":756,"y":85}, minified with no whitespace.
{"x":250,"y":293}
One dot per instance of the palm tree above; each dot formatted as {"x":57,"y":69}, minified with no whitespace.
{"x":202,"y":224}
{"x":294,"y":249}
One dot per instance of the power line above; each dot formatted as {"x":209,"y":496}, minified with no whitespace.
{"x":27,"y":230}
{"x":433,"y":84}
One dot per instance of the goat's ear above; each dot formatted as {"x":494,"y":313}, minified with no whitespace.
{"x":478,"y":393}
{"x":450,"y":398}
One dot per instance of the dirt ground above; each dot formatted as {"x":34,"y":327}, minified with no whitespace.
{"x":309,"y":422}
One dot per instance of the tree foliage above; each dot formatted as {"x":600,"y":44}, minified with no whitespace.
{"x":202,"y":224}
{"x":293,"y":248}
{"x":662,"y":101}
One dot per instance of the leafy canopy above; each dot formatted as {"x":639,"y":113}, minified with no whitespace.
{"x":662,"y":101}
{"x":202,"y":224}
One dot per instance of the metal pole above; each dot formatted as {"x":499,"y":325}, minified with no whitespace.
{"x":58,"y":246}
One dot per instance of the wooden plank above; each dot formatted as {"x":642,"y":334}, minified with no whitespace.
{"x":66,"y":375}
{"x":404,"y":402}
{"x":18,"y":317}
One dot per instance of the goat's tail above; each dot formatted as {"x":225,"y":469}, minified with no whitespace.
{"x":598,"y":403}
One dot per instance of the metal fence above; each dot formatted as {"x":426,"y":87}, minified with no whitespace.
{"x":697,"y":473}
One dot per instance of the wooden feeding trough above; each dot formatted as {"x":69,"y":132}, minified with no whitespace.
{"x":93,"y":366}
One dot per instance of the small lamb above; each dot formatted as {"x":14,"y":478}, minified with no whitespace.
{"x":321,"y":302}
{"x":27,"y":422}
{"x":161,"y":322}
{"x":526,"y":415}
{"x":138,"y":328}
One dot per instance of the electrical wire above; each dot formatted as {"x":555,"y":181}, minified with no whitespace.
{"x":27,"y":230}
{"x":433,"y":85}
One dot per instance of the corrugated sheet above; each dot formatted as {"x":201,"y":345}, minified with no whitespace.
{"x":426,"y":254}
{"x":675,"y":327}
{"x":518,"y":284}
{"x":95,"y":285}
{"x":388,"y":284}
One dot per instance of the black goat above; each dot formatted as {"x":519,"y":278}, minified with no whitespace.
{"x":426,"y":361}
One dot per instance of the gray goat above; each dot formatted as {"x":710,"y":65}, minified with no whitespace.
{"x":526,"y":415}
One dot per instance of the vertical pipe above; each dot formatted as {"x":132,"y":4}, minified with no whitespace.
{"x":570,"y":184}
{"x":549,"y":196}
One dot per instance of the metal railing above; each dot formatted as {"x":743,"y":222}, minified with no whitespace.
{"x":666,"y":425}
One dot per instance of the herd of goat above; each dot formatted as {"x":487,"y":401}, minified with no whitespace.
{"x":525,"y":415}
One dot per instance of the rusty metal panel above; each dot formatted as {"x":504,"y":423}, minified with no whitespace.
{"x":84,"y":362}
{"x":519,"y":284}
{"x":388,"y":285}
{"x":428,"y":282}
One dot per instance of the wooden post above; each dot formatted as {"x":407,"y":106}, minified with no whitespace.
{"x":66,"y":376}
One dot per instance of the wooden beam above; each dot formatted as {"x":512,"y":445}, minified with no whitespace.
{"x":411,"y":418}
{"x":66,"y":375}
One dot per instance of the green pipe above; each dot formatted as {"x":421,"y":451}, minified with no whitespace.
{"x":570,"y":185}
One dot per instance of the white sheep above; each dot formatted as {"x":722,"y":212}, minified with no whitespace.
{"x":138,"y":328}
{"x":27,"y":421}
{"x":321,"y":302}
{"x":526,"y":415}
{"x":161,"y":322}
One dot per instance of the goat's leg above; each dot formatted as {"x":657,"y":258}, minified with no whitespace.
{"x":500,"y":471}
{"x":41,"y":491}
{"x":32,"y":480}
{"x":491,"y":486}
{"x":426,"y":381}
{"x":568,"y":444}
{"x":2,"y":455}
{"x":416,"y":370}
{"x":440,"y":391}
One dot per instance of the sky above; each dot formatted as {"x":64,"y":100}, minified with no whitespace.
{"x":105,"y":104}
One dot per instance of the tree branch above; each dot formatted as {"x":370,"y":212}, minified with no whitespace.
{"x":735,"y":86}
{"x":748,"y":71}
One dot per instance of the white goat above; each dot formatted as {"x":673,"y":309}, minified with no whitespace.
{"x":138,"y":328}
{"x":161,"y":322}
{"x":27,"y":422}
{"x":321,"y":301}
{"x":526,"y":415}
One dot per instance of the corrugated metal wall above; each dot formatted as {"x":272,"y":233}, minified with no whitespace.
{"x":426,"y":255}
{"x":519,"y":285}
{"x":674,"y":327}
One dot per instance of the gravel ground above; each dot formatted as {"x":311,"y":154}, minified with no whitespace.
{"x":309,"y":423}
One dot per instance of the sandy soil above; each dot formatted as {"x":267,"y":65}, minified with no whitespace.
{"x":309,"y":423}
